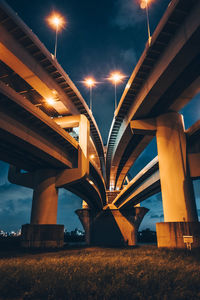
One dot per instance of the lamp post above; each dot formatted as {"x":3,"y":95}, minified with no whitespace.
{"x":144,"y":5}
{"x":116,"y":77}
{"x":57,"y":22}
{"x":90,"y":82}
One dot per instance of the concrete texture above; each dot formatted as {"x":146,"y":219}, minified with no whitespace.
{"x":176,"y":185}
{"x":170,"y":234}
{"x":86,"y":217}
{"x":112,"y":227}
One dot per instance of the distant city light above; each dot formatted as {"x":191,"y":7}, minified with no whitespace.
{"x":57,"y":22}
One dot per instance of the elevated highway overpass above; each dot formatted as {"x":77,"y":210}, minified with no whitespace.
{"x":33,"y":72}
{"x":59,"y":145}
{"x":165,"y":79}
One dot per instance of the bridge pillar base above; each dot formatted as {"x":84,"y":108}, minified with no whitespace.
{"x":42,"y":236}
{"x":170,"y":234}
{"x":135,"y":217}
{"x":86,"y":217}
{"x":111,"y":227}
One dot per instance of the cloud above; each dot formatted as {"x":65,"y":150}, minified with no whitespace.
{"x":129,"y":56}
{"x":16,"y":202}
{"x":11,"y":192}
{"x":128,"y":14}
{"x":14,"y":199}
{"x":15,"y":206}
{"x":156,"y":216}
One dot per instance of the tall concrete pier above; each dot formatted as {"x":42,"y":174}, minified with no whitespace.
{"x":179,"y":207}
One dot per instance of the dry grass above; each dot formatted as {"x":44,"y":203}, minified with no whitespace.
{"x":98,"y":273}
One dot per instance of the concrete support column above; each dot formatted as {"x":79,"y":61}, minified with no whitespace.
{"x":135,"y":217}
{"x":43,"y":232}
{"x":45,"y":199}
{"x":177,"y":191}
{"x":176,"y":186}
{"x":85,"y":216}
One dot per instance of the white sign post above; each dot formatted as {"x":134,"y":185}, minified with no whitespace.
{"x":188,"y":240}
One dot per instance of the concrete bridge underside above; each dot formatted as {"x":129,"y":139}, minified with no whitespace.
{"x":46,"y":152}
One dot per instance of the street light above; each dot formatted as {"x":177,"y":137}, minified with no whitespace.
{"x":90,"y":82}
{"x":144,"y":5}
{"x":50,"y":101}
{"x":116,"y":77}
{"x":57,"y":22}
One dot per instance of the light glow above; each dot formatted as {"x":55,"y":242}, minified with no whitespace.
{"x":50,"y":101}
{"x":116,"y":77}
{"x":90,"y":82}
{"x":56,"y":21}
{"x":144,"y":3}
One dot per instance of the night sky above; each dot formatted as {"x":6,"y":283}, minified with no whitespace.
{"x":100,"y":37}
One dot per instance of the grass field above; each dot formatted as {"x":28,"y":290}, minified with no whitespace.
{"x":144,"y":272}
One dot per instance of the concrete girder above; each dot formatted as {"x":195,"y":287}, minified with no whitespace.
{"x":71,"y":122}
{"x":82,"y":170}
{"x":149,"y":187}
{"x":146,"y":178}
{"x":19,"y":60}
{"x":36,"y":141}
{"x":119,"y":152}
{"x":138,"y":149}
{"x":87,"y":191}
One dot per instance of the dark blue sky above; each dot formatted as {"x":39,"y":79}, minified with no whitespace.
{"x":100,"y":36}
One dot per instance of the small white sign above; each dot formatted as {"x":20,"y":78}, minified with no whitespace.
{"x":188,"y":240}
